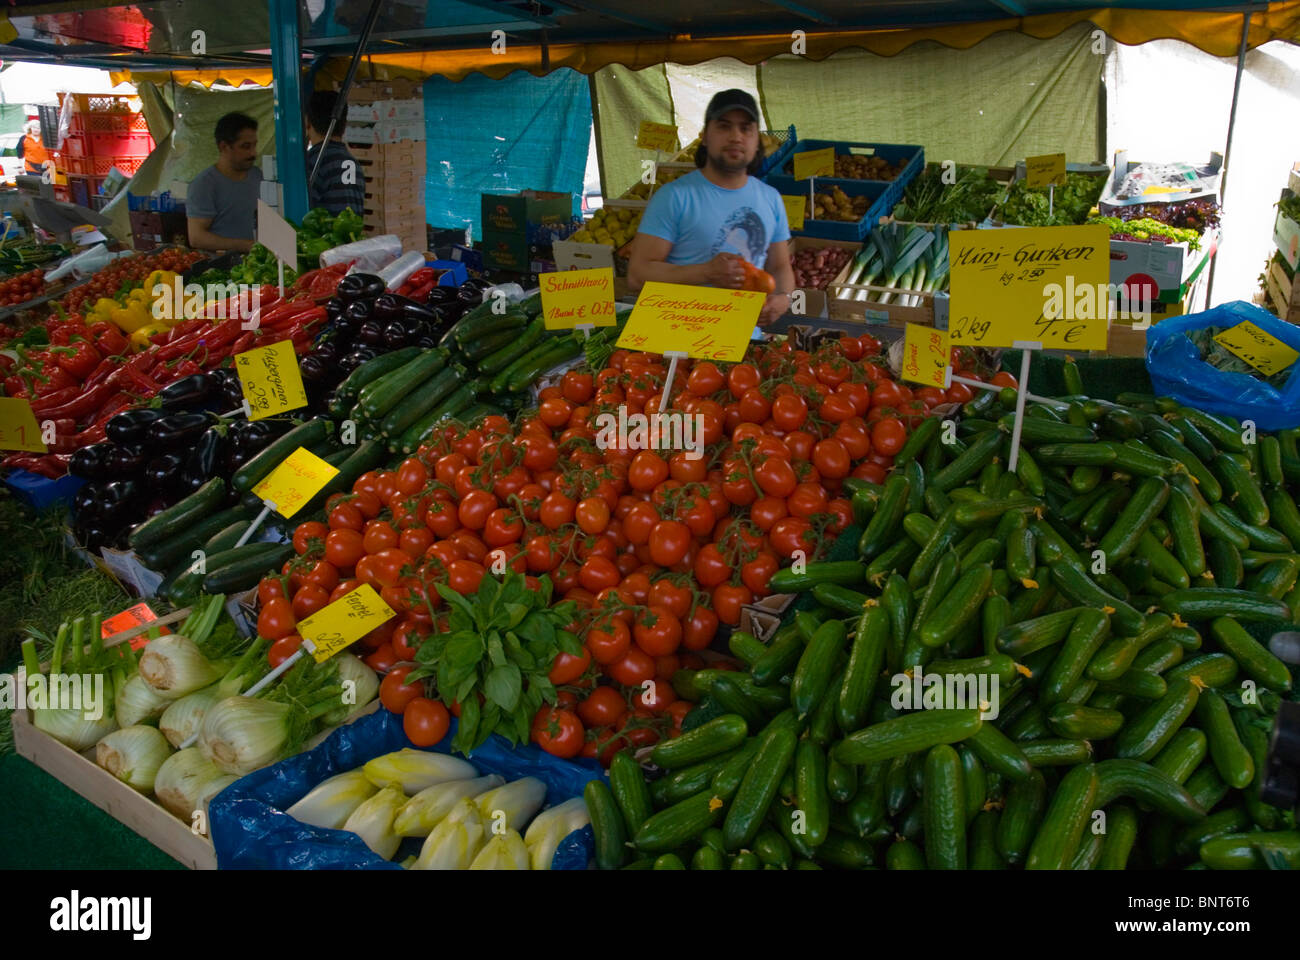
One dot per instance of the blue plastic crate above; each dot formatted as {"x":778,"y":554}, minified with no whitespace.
{"x":456,"y":272}
{"x":40,"y":492}
{"x":775,"y":160}
{"x":837,"y":229}
{"x":892,"y":153}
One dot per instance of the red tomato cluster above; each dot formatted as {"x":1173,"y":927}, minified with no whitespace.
{"x":23,"y":287}
{"x":657,"y":549}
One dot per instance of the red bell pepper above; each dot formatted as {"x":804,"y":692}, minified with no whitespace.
{"x":78,"y":359}
{"x":108,"y":339}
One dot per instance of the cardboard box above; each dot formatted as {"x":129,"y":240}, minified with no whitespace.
{"x":1170,"y":267}
{"x":1208,"y":174}
{"x":367,"y":91}
{"x":524,"y":214}
{"x":1124,"y":340}
{"x":150,"y":228}
{"x":504,"y":251}
{"x":573,"y":255}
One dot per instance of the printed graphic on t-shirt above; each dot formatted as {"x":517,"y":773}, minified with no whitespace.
{"x":743,"y":232}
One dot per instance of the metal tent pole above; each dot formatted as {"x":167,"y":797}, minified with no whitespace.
{"x":286,"y":68}
{"x":342,"y":105}
{"x":1227,"y":149}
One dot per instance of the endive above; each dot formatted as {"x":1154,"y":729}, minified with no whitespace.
{"x":414,"y":770}
{"x":372,"y":821}
{"x":516,"y":802}
{"x":332,"y":801}
{"x":572,"y":814}
{"x":427,"y":808}
{"x":455,"y":841}
{"x":505,"y":851}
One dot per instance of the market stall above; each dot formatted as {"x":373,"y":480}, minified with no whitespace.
{"x":473,"y":563}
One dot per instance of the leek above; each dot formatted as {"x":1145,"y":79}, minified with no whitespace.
{"x":455,"y":841}
{"x":187,"y":780}
{"x":505,"y":851}
{"x":133,"y":755}
{"x":183,"y":718}
{"x":174,"y":666}
{"x":372,"y":821}
{"x":332,"y":801}
{"x":427,"y":808}
{"x":516,"y":802}
{"x":415,"y":770}
{"x":137,"y":702}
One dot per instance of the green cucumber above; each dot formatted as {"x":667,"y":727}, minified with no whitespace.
{"x":1253,"y":657}
{"x":1076,"y":722}
{"x":866,"y":655}
{"x":881,"y":530}
{"x":607,"y":824}
{"x":717,"y":736}
{"x":1058,"y":835}
{"x":1210,"y":670}
{"x":1253,"y":851}
{"x":1120,"y":837}
{"x":669,"y":829}
{"x":811,"y":794}
{"x":958,"y":607}
{"x":848,"y":573}
{"x":813,"y":672}
{"x":969,"y":463}
{"x":906,"y":734}
{"x":759,"y":786}
{"x":945,"y":810}
{"x":1184,"y":752}
{"x":1026,"y":801}
{"x":1230,"y":757}
{"x":1142,"y":737}
{"x":1048,"y":752}
{"x":1027,"y":636}
{"x":1208,"y":603}
{"x":630,"y":791}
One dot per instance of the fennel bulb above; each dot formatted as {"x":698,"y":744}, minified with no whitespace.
{"x":414,"y":770}
{"x":133,"y":755}
{"x":364,"y":688}
{"x":243,"y":734}
{"x":71,"y":728}
{"x":424,"y":810}
{"x":187,"y":780}
{"x":174,"y":666}
{"x":332,"y":801}
{"x":183,"y":718}
{"x":137,"y":702}
{"x":372,"y":821}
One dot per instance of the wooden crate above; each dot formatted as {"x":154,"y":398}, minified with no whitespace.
{"x":1282,"y":293}
{"x":817,"y":300}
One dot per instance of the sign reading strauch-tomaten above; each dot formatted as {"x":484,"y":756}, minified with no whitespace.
{"x":1044,"y":284}
{"x":574,"y":297}
{"x":701,"y":322}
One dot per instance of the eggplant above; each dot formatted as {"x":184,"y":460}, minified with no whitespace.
{"x":232,"y":395}
{"x":442,"y":295}
{"x":470,"y":296}
{"x":126,"y":460}
{"x":313,"y":369}
{"x":85,"y":503}
{"x":132,"y":426}
{"x":122,"y":491}
{"x":178,"y":429}
{"x":425,"y":342}
{"x":88,"y":462}
{"x":359,"y":311}
{"x":359,"y":286}
{"x":203,"y":459}
{"x":371,"y":333}
{"x":186,"y":393}
{"x":162,"y":472}
{"x":328,"y":352}
{"x":95,"y":536}
{"x":334,"y":307}
{"x":396,"y":336}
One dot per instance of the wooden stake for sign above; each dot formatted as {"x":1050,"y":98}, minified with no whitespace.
{"x":1051,"y":200}
{"x":673,"y":357}
{"x":1026,"y":348}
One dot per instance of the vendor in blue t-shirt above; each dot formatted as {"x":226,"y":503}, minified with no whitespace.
{"x":701,"y":227}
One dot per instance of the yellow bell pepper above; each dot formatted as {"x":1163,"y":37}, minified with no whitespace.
{"x":140,"y":338}
{"x":131,"y":317}
{"x":103,"y":309}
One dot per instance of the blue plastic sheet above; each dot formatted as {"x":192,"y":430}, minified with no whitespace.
{"x":1178,"y":371}
{"x":251,"y":831}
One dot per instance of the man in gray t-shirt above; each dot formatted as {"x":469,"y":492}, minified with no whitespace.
{"x":221,"y":203}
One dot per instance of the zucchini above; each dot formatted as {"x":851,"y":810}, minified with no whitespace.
{"x":560,"y":349}
{"x":380,"y":396}
{"x":165,"y":554}
{"x":345,"y":394}
{"x":239,"y":569}
{"x":226,"y":538}
{"x":180,"y":516}
{"x":474,"y":326}
{"x":420,"y":399}
{"x":309,"y":433}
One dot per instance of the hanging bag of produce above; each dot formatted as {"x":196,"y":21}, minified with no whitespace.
{"x":1188,"y":363}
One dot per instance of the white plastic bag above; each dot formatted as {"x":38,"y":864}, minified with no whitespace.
{"x":370,"y":254}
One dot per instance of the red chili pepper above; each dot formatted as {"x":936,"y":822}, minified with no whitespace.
{"x":55,"y":378}
{"x":103,"y":371}
{"x":22,"y":461}
{"x":53,"y":465}
{"x":56,"y":399}
{"x":243,"y":343}
{"x":96,"y":433}
{"x":187,"y":368}
{"x":421,"y":293}
{"x":7,"y":363}
{"x":85,"y":403}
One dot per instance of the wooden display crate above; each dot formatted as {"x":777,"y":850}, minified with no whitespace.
{"x":1282,"y":293}
{"x":817,"y":300}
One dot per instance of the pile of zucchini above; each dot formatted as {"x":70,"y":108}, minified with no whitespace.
{"x":484,"y":365}
{"x":1126,"y":732}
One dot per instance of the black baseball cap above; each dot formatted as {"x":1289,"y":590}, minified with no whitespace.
{"x":731,"y":100}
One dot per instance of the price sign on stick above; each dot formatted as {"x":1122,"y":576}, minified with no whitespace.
{"x":925,"y":356}
{"x":18,"y":427}
{"x":814,"y":163}
{"x":573,"y":298}
{"x":347,"y":619}
{"x":794,"y":210}
{"x":1263,"y":351}
{"x":702,"y":322}
{"x":277,"y":235}
{"x":135,"y":616}
{"x":1045,"y":171}
{"x":656,"y":136}
{"x":296,"y":480}
{"x":1033,"y":284}
{"x":270,"y":380}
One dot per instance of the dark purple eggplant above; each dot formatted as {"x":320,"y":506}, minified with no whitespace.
{"x":85,"y":503}
{"x":396,"y":336}
{"x":232,"y":396}
{"x":94,"y":536}
{"x":359,"y":311}
{"x":125,"y":461}
{"x":442,"y":295}
{"x":161,"y":472}
{"x":359,"y":286}
{"x":203,"y":459}
{"x":328,"y":352}
{"x":178,"y":429}
{"x":313,"y":369}
{"x":187,"y":393}
{"x":132,"y":426}
{"x":425,"y":342}
{"x":88,"y":462}
{"x":371,"y":333}
{"x":334,"y":307}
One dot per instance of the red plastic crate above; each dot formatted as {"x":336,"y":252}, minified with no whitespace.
{"x":73,"y":147}
{"x":126,"y":144}
{"x":100,"y":166}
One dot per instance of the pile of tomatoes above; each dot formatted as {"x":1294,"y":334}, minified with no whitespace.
{"x":128,"y":273}
{"x":657,"y":548}
{"x":23,"y":287}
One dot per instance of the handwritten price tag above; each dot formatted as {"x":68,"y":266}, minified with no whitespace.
{"x":656,"y":136}
{"x":270,"y":380}
{"x":925,"y":355}
{"x":702,"y":322}
{"x":18,"y":429}
{"x":795,"y":207}
{"x":1044,"y":284}
{"x":296,"y":480}
{"x":572,"y":297}
{"x":1263,"y":351}
{"x":1045,"y":170}
{"x":814,"y":163}
{"x":141,"y":613}
{"x":347,"y":619}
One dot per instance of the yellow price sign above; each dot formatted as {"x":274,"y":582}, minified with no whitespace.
{"x":573,"y":297}
{"x":1030,"y":284}
{"x":656,"y":136}
{"x":795,"y":207}
{"x":1263,"y":351}
{"x":814,"y":163}
{"x":296,"y":480}
{"x":18,"y":428}
{"x":346,"y":620}
{"x":1045,"y":170}
{"x":925,"y":356}
{"x":701,"y":322}
{"x":270,"y":380}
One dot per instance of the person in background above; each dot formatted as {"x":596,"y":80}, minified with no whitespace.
{"x":221,"y":205}
{"x":339,"y":182}
{"x":701,"y":228}
{"x":32,"y":150}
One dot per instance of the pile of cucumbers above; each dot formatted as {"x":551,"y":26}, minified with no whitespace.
{"x":483,"y":365}
{"x":1106,"y":584}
